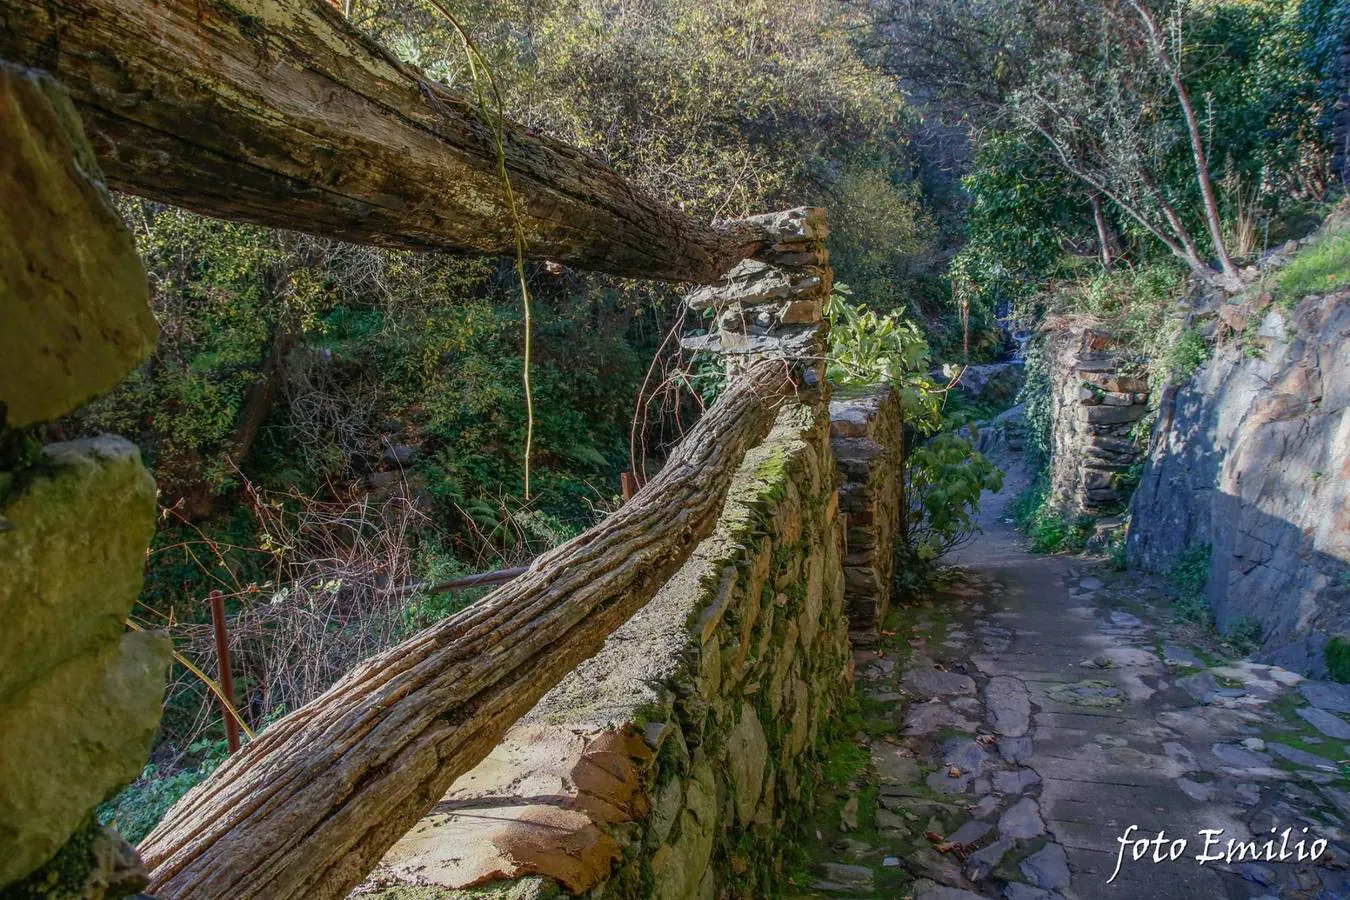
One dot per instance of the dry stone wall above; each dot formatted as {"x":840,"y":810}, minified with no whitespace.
{"x":79,"y":695}
{"x":1251,"y":460}
{"x":672,"y":764}
{"x":1095,"y":405}
{"x":865,"y":433}
{"x":773,"y":305}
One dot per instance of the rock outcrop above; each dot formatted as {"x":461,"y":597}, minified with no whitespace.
{"x":1252,"y":458}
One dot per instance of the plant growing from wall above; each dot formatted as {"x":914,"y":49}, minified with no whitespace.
{"x":943,"y":474}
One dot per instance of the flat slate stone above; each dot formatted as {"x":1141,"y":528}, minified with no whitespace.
{"x":980,"y":863}
{"x":946,"y":784}
{"x":890,"y":823}
{"x":929,"y":890}
{"x":935,"y":683}
{"x":846,"y":878}
{"x":1195,"y":790}
{"x":1016,"y":781}
{"x":893,"y":766}
{"x":1015,"y":750}
{"x":1022,"y":821}
{"x":1047,"y":868}
{"x":984,"y":807}
{"x":1009,"y":705}
{"x":1016,"y":890}
{"x":926,"y":718}
{"x":1234,"y":755}
{"x":965,"y":754}
{"x":1327,"y":695}
{"x":1331,"y":725}
{"x":1175,"y":654}
{"x":969,"y":833}
{"x":1298,"y":757}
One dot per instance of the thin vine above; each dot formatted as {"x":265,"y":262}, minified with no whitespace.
{"x":478,"y":71}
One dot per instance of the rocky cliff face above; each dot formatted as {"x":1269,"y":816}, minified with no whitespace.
{"x":1252,"y":457}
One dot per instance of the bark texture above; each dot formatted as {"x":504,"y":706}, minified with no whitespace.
{"x":279,"y":112}
{"x":312,"y":805}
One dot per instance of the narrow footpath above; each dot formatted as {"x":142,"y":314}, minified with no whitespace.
{"x":1013,"y":730}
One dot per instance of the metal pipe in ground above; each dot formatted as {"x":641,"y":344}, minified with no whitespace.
{"x":226,"y":676}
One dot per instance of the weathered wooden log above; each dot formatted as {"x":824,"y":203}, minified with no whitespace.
{"x":279,"y":112}
{"x":311,"y":806}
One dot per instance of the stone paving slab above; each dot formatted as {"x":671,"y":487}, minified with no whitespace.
{"x":1055,"y":722}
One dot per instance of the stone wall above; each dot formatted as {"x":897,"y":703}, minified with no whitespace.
{"x":673,"y":763}
{"x":1252,"y":458}
{"x":79,"y":695}
{"x":1094,"y":407}
{"x":866,"y":436}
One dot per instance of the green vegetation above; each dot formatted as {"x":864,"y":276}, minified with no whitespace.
{"x":1337,"y":656}
{"x":1188,"y":353}
{"x":1050,"y":529}
{"x":1321,"y":268}
{"x":1190,"y":576}
{"x":138,"y":808}
{"x":944,"y":473}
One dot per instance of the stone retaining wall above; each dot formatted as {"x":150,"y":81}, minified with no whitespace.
{"x":866,"y":436}
{"x":80,"y":696}
{"x":672,"y":764}
{"x":1095,"y":405}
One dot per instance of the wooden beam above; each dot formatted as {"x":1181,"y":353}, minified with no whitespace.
{"x":279,"y":112}
{"x":311,"y":806}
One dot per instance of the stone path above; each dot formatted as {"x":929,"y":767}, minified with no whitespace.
{"x":1013,"y":729}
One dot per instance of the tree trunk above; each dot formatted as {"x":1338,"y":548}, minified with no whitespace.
{"x":1105,"y":240}
{"x":307,"y":809}
{"x":281,"y":113}
{"x":262,"y":394}
{"x":1230,"y":278}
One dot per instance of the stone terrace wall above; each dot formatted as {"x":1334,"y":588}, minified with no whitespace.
{"x":671,"y":764}
{"x":865,"y":434}
{"x":1095,"y":405}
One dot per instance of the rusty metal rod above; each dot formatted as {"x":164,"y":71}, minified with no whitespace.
{"x":226,"y":676}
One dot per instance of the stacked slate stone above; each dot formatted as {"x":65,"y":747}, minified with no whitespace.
{"x":772,"y":305}
{"x":865,"y":434}
{"x":1096,"y":405}
{"x":1110,"y":405}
